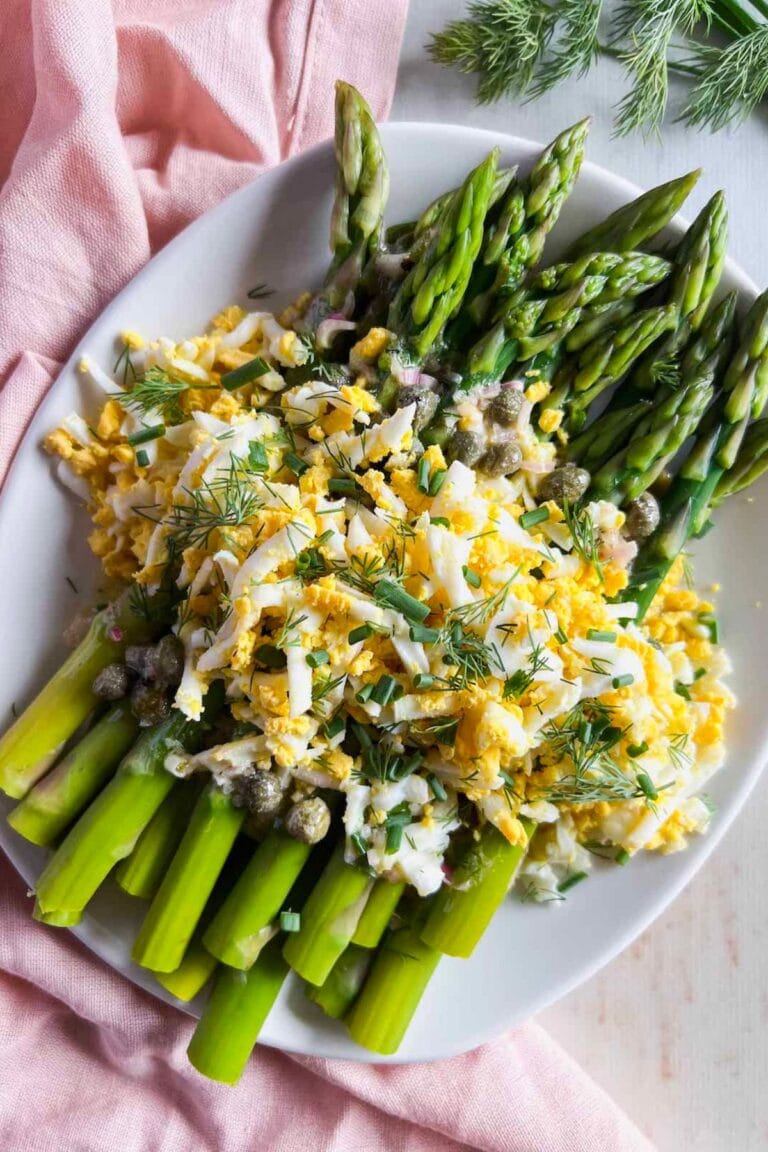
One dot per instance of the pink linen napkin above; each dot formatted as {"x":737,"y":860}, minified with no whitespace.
{"x":120,"y":124}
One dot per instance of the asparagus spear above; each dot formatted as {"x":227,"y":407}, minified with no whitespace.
{"x":433,"y":289}
{"x":56,"y":800}
{"x":108,"y":829}
{"x":361,"y":191}
{"x":141,"y":873}
{"x":606,"y":362}
{"x":379,"y":910}
{"x":192,"y":974}
{"x":329,"y":919}
{"x":398,"y":978}
{"x":342,"y":985}
{"x":432,"y":213}
{"x":515,"y":237}
{"x":699,"y":262}
{"x":176,"y":909}
{"x":636,"y":223}
{"x":29,"y":748}
{"x":749,"y":466}
{"x":227,"y":1031}
{"x":236,"y":933}
{"x":462,"y":911}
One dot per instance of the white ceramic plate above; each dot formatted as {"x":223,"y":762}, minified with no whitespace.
{"x":275,"y":231}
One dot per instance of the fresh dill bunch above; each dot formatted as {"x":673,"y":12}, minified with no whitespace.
{"x":730,"y":83}
{"x":586,"y":544}
{"x":157,"y":391}
{"x":649,"y":26}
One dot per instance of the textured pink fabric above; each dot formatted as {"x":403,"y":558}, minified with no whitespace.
{"x":118,"y":124}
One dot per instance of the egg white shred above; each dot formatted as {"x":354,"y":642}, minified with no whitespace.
{"x":528,"y":647}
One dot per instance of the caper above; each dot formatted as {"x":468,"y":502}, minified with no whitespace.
{"x":142,"y":659}
{"x":466,"y":447}
{"x":113,"y":682}
{"x":258,"y":791}
{"x":426,"y":405}
{"x":168,"y":661}
{"x":643,"y":516}
{"x":565,"y":485}
{"x":149,"y":704}
{"x":501,"y":459}
{"x":505,"y":408}
{"x":309,"y":820}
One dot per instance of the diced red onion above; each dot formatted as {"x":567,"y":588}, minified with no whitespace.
{"x":538,"y":467}
{"x":413,"y":376}
{"x":524,"y":415}
{"x":516,"y":384}
{"x":115,"y":634}
{"x":328,"y":330}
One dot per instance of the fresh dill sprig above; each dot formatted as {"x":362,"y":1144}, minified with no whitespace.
{"x":581,"y":526}
{"x":577,"y":45}
{"x":521,"y":680}
{"x":260,"y":292}
{"x":665,"y":372}
{"x":226,"y":502}
{"x":730,"y":83}
{"x":322,"y":687}
{"x":125,"y":362}
{"x":479,"y":612}
{"x":288,"y":635}
{"x":157,"y":391}
{"x":469,"y":656}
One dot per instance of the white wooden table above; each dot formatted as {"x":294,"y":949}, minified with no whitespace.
{"x":676,"y":1029}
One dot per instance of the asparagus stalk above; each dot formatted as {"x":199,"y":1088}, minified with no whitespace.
{"x":329,"y":919}
{"x":236,"y":933}
{"x":514,"y":238}
{"x":342,"y":985}
{"x":398,"y":978}
{"x":142,"y":872}
{"x":699,"y":262}
{"x":377,"y":913}
{"x":56,"y":800}
{"x":33,"y":743}
{"x":636,"y":223}
{"x":192,"y":974}
{"x":176,"y":909}
{"x":462,"y":911}
{"x":433,"y":289}
{"x":228,"y":1029}
{"x":431,"y":215}
{"x":750,"y":463}
{"x":108,"y":829}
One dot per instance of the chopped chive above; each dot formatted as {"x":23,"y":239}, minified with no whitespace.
{"x":290,"y":921}
{"x":343,"y":487}
{"x":258,"y":461}
{"x":436,"y":787}
{"x":599,"y":634}
{"x":423,"y":475}
{"x":407,"y":767}
{"x":472,"y":578}
{"x":324,"y":537}
{"x":623,"y":681}
{"x":391,"y":594}
{"x":363,"y":632}
{"x":398,"y":693}
{"x":318,"y":658}
{"x":246,"y":373}
{"x":295,"y":464}
{"x":423,"y":680}
{"x":710,"y":623}
{"x":535,"y":516}
{"x":571,"y":881}
{"x":456,"y":634}
{"x":437,"y":481}
{"x":699,"y":673}
{"x":621,"y":857}
{"x":360,"y":843}
{"x":421,"y":635}
{"x":635,"y":750}
{"x":561,"y":636}
{"x":647,"y":786}
{"x":365,"y":693}
{"x":394,"y":837}
{"x":382,"y":693}
{"x":142,"y":459}
{"x":146,"y":434}
{"x":334,"y":726}
{"x":442,"y":521}
{"x":271,"y":656}
{"x":682,"y":690}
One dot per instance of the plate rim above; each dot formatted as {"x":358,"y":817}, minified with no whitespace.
{"x":741,"y":789}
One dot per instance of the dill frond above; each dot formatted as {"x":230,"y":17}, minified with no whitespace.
{"x":577,"y":45}
{"x":731,"y":82}
{"x":157,"y":391}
